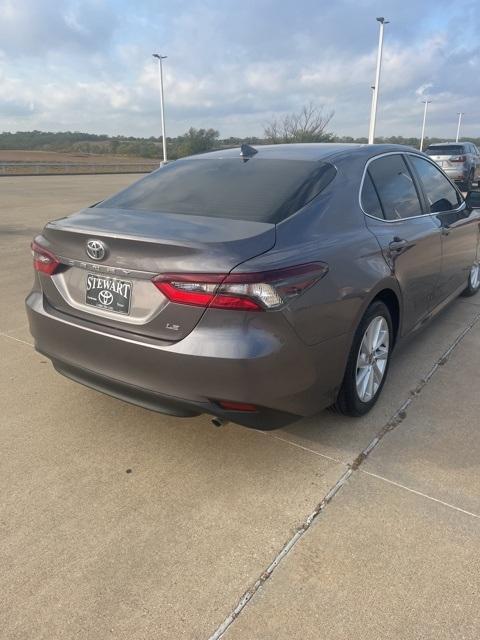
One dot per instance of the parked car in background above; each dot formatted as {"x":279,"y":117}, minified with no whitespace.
{"x":256,"y":285}
{"x":459,"y":160}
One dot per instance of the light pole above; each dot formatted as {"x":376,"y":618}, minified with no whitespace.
{"x":426,"y":103}
{"x":376,"y":88}
{"x":459,"y":123}
{"x":160,"y":79}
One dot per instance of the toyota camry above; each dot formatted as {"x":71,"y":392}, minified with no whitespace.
{"x":256,"y":284}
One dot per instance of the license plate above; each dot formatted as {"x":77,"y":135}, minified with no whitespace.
{"x":109,"y":294}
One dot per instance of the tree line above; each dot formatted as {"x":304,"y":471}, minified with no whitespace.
{"x":310,"y":124}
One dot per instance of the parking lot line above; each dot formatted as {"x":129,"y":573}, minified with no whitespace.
{"x":5,"y":335}
{"x":420,"y":493}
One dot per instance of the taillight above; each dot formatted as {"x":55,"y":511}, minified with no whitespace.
{"x":229,"y":405}
{"x":43,"y":260}
{"x":457,"y":159}
{"x":268,"y":290}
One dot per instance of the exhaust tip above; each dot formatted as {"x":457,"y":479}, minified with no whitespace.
{"x":218,"y":422}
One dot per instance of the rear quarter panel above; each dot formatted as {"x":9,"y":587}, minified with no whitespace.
{"x":331,"y":229}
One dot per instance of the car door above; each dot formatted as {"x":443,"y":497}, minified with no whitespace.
{"x":409,"y":239}
{"x":458,"y":225}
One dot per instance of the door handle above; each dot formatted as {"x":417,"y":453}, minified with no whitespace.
{"x":398,"y":244}
{"x":445,"y":231}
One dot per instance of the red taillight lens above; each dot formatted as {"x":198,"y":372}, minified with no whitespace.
{"x":268,"y":290}
{"x":236,"y":406}
{"x":43,"y":260}
{"x":457,"y":159}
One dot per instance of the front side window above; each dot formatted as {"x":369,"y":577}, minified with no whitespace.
{"x":441,"y":195}
{"x":395,"y":187}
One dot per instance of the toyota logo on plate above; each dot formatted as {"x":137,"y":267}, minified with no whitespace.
{"x":105,"y":298}
{"x":96,"y":249}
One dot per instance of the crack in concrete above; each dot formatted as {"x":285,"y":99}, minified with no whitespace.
{"x":397,"y":418}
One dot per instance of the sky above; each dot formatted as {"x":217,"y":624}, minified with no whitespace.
{"x":86,"y":65}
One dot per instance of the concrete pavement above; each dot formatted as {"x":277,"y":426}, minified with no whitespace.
{"x":117,"y":522}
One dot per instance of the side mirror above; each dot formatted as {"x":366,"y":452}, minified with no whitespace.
{"x":473,"y":199}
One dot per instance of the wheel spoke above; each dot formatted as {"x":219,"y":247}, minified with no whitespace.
{"x":362,"y":379}
{"x":382,"y":339}
{"x":370,"y":385}
{"x":370,"y":337}
{"x":382,"y":353}
{"x":362,"y":360}
{"x":378,"y":373}
{"x":377,"y":334}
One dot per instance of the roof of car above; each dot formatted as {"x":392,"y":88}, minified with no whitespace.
{"x":307,"y":151}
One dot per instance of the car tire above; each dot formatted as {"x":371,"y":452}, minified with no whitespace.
{"x":473,"y":285}
{"x":365,"y":362}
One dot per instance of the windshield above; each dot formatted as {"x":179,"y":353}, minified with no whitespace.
{"x":263,"y":190}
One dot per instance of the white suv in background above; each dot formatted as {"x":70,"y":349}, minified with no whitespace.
{"x":459,"y":160}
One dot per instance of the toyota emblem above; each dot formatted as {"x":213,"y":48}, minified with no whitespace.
{"x":96,"y":249}
{"x":105,"y":298}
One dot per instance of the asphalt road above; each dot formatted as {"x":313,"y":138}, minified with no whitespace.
{"x":116,"y":522}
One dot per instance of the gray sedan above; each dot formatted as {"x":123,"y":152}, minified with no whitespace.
{"x":258,"y":285}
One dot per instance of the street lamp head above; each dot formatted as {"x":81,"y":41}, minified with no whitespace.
{"x":158,"y":56}
{"x":383,"y":21}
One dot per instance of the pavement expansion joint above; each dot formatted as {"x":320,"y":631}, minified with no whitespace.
{"x":300,"y":532}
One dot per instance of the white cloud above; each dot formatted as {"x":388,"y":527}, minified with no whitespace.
{"x":422,"y":90}
{"x":230,"y":66}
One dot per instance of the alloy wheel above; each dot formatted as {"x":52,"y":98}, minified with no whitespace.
{"x":372,"y":358}
{"x":475,"y":276}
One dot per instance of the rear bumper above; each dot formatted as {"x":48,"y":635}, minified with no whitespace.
{"x":178,"y":407}
{"x":271,"y":369}
{"x":458,"y":174}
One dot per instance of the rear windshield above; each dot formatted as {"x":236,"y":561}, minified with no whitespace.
{"x":447,"y":150}
{"x":257,"y":189}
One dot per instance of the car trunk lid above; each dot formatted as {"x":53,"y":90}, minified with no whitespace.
{"x":140,"y":245}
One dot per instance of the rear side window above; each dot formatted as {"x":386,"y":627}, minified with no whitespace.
{"x":263,"y":190}
{"x":370,"y":202}
{"x":441,"y":195}
{"x":395,"y":187}
{"x":447,"y":150}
